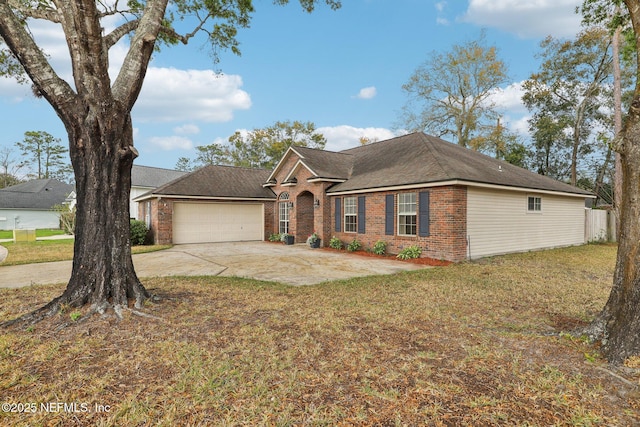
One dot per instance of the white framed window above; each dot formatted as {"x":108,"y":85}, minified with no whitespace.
{"x":534,"y":204}
{"x":147,"y":214}
{"x":283,"y":213}
{"x":407,"y":214}
{"x":350,"y":214}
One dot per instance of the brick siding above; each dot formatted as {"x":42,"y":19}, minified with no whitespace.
{"x":447,"y":223}
{"x":447,"y":216}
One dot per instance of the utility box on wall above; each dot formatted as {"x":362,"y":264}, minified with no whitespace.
{"x":24,"y":236}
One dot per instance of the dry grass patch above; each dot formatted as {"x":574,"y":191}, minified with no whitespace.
{"x":53,"y":250}
{"x":471,"y":344}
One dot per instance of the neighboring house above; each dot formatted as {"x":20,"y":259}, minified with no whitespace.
{"x":145,"y":179}
{"x":416,"y":189}
{"x":29,"y":205}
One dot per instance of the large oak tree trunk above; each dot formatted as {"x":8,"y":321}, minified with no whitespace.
{"x":102,"y":154}
{"x":618,"y":325}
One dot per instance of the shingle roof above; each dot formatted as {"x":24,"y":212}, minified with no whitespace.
{"x":218,"y":182}
{"x":150,"y":177}
{"x":420,"y":159}
{"x":38,"y":194}
{"x":326,"y":164}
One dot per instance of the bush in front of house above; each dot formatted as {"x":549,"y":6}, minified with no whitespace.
{"x":138,"y":232}
{"x":354,"y":246}
{"x":380,"y":247}
{"x":335,"y":243}
{"x":410,"y":252}
{"x":275,"y":237}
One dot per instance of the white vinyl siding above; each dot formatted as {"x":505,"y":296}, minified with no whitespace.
{"x":29,"y":219}
{"x":500,"y":222}
{"x":217,"y":222}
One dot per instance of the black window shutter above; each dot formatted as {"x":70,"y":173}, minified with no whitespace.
{"x":423,"y":211}
{"x":338,"y":214}
{"x":388,"y":215}
{"x":361,"y":214}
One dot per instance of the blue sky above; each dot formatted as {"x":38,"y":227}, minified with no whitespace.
{"x":342,"y":70}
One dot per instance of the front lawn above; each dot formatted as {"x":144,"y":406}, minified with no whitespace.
{"x":480,"y":343}
{"x":53,"y":250}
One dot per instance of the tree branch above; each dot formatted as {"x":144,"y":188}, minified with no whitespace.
{"x":28,"y":11}
{"x":128,"y":84}
{"x":114,"y":36}
{"x":19,"y":41}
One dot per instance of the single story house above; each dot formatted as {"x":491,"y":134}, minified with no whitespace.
{"x":415,"y":189}
{"x":29,"y":205}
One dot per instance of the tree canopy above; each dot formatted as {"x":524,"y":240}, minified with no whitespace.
{"x":570,"y":98}
{"x":259,"y":148}
{"x":449,"y":94}
{"x":45,"y":155}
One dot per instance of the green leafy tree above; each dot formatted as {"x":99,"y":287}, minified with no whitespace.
{"x":450,"y":93}
{"x":95,"y":108}
{"x":503,"y":144}
{"x":573,"y":83}
{"x":45,"y":155}
{"x":212,"y":154}
{"x":612,"y":15}
{"x":260,"y":148}
{"x":263,"y":148}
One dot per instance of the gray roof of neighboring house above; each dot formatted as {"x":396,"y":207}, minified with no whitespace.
{"x":150,"y":177}
{"x":218,"y":182}
{"x":39,"y":194}
{"x":417,"y":158}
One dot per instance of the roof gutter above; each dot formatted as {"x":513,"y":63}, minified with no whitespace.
{"x":462,"y":182}
{"x":177,"y":196}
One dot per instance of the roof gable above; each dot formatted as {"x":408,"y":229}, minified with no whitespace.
{"x":322,"y":164}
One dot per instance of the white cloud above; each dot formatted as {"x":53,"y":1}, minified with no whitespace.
{"x":520,"y":126}
{"x":509,"y":98}
{"x":170,"y":94}
{"x":367,"y":93}
{"x":169,"y":143}
{"x":188,"y":129}
{"x":344,"y":137}
{"x":527,"y":19}
{"x":440,"y":8}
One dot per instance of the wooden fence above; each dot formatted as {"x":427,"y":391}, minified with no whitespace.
{"x":599,"y":225}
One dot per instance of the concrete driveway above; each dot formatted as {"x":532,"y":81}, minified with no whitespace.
{"x":293,"y":264}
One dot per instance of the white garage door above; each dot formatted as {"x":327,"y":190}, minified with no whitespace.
{"x":217,"y":222}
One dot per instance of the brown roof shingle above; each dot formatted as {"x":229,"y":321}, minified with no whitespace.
{"x":421,"y":159}
{"x":219,"y":182}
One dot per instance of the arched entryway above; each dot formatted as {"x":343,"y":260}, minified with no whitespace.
{"x":304,"y":216}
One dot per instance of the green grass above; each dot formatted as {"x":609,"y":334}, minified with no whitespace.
{"x":470,"y":344}
{"x":8,"y":234}
{"x":53,"y":250}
